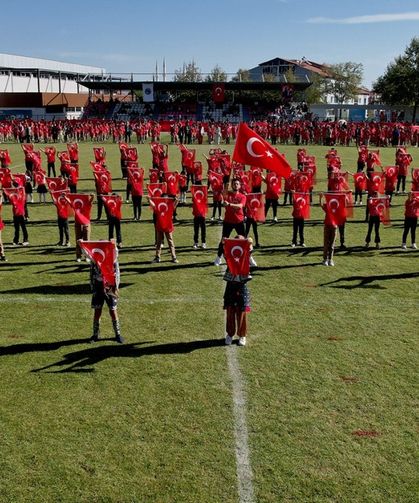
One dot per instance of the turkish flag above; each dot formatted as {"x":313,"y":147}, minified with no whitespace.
{"x":218,"y":92}
{"x":255,"y":206}
{"x":103,"y":254}
{"x":97,"y":167}
{"x":103,"y":182}
{"x":199,"y":200}
{"x":349,"y":202}
{"x":61,"y":203}
{"x":380,"y":206}
{"x":336,"y":207}
{"x":390,"y":175}
{"x":172,"y":183}
{"x":17,"y":198}
{"x":57,"y":183}
{"x":415,"y":179}
{"x":100,"y":154}
{"x":39,"y":177}
{"x":73,"y":151}
{"x":5,"y":178}
{"x":252,"y":149}
{"x":237,"y":255}
{"x":163,"y":209}
{"x":301,"y":204}
{"x":135,"y":179}
{"x":131,"y":154}
{"x":113,"y":205}
{"x":360,"y":181}
{"x":302,"y":182}
{"x":19,"y":179}
{"x":188,"y":157}
{"x":156,"y":189}
{"x":82,"y":206}
{"x":375,"y":182}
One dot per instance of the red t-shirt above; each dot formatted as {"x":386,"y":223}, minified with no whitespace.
{"x":234,"y":215}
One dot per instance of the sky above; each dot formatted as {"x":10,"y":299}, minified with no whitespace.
{"x":131,"y":36}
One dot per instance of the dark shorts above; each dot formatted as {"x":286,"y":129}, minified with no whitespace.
{"x":237,"y":295}
{"x":99,"y":298}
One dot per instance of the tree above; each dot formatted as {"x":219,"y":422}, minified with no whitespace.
{"x":400,"y":83}
{"x":188,"y":73}
{"x":345,"y":81}
{"x":242,"y":75}
{"x":217,"y":74}
{"x":315,"y":93}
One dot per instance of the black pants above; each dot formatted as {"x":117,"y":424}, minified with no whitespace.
{"x":358,"y":194}
{"x":410,"y":224}
{"x":136,"y":206}
{"x":199,"y":223}
{"x":227,"y":229}
{"x":373,"y":222}
{"x":115,"y":225}
{"x":401,"y":181}
{"x":100,"y":206}
{"x":73,"y":189}
{"x":390,"y":194}
{"x":287,"y":195}
{"x":342,"y":234}
{"x":298,"y":228}
{"x":254,"y":225}
{"x":63,"y":230}
{"x":127,"y":191}
{"x":216,"y":205}
{"x":274,"y":204}
{"x":51,"y":169}
{"x":19,"y":223}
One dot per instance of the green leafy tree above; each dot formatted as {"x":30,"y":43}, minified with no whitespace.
{"x":188,"y":73}
{"x":315,"y":93}
{"x":242,"y":75}
{"x":345,"y":81}
{"x":217,"y":74}
{"x":400,"y":83}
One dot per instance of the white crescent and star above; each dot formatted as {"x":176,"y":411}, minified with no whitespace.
{"x":241,"y":251}
{"x":99,"y":252}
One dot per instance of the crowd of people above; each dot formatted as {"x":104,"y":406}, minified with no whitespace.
{"x":277,"y":131}
{"x":247,"y":195}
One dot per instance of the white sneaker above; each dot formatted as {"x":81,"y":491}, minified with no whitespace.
{"x":275,"y":220}
{"x":360,"y":203}
{"x":88,"y":260}
{"x":217,"y":261}
{"x":25,"y":243}
{"x":331,"y":263}
{"x":292,"y":245}
{"x":242,"y":341}
{"x":414,"y":246}
{"x":195,"y":245}
{"x":303,"y":245}
{"x":252,"y":261}
{"x":78,"y":260}
{"x":325,"y":262}
{"x":228,"y":340}
{"x":212,"y":219}
{"x":204,"y":246}
{"x":404,"y":246}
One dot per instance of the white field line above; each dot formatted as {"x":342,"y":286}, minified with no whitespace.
{"x":243,"y":466}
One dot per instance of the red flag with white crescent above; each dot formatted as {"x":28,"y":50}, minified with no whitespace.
{"x":163,"y":209}
{"x":59,"y":198}
{"x":375,"y":182}
{"x":199,"y":200}
{"x":360,"y":181}
{"x":252,"y":149}
{"x":56,"y":183}
{"x":17,"y":198}
{"x":255,"y":206}
{"x":336,"y":207}
{"x":380,"y":206}
{"x":100,"y":154}
{"x":301,"y":205}
{"x":172,"y":183}
{"x":218,"y":92}
{"x":136,"y":179}
{"x":237,"y":255}
{"x":97,"y":167}
{"x":156,"y":189}
{"x":113,"y":205}
{"x":103,"y":182}
{"x":82,"y":206}
{"x":103,"y":254}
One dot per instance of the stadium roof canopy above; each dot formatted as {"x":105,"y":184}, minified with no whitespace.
{"x":14,"y":62}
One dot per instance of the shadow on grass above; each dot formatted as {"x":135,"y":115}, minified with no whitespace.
{"x":365,"y":281}
{"x":81,"y":289}
{"x":84,"y":360}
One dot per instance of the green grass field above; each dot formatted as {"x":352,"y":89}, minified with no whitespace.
{"x":330,"y":370}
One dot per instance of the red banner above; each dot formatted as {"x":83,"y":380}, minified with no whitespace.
{"x":103,"y":254}
{"x":301,"y":205}
{"x":255,"y":206}
{"x":82,"y":206}
{"x":103,"y":181}
{"x":237,"y":255}
{"x":336,"y":207}
{"x":163,"y":208}
{"x":199,"y":200}
{"x":218,"y":92}
{"x":136,"y":179}
{"x":252,"y":149}
{"x":113,"y":205}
